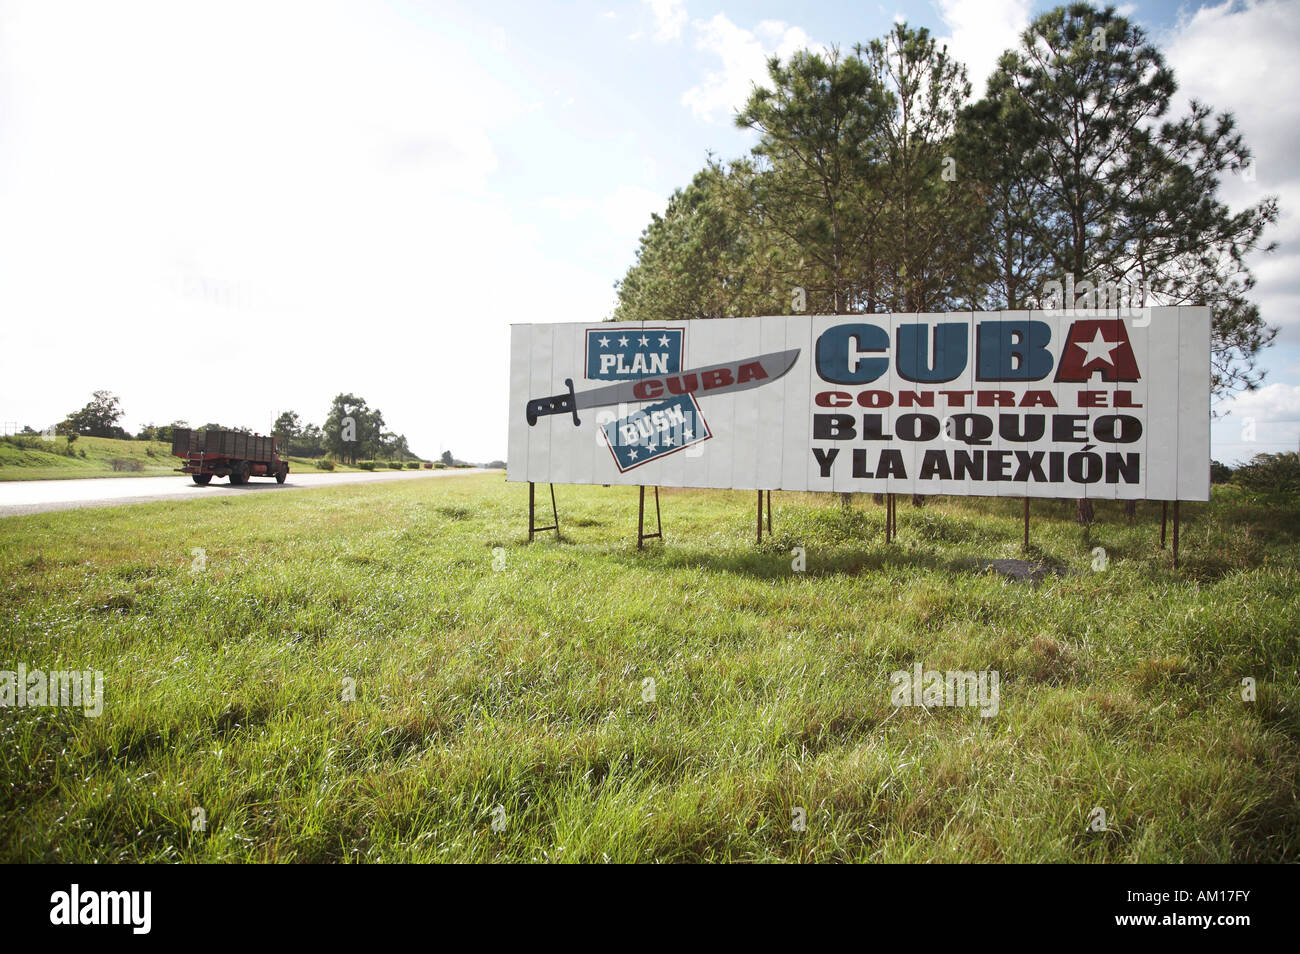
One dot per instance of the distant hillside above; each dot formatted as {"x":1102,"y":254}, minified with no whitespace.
{"x":32,"y":457}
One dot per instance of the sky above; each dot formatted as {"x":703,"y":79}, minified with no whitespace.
{"x":224,"y":211}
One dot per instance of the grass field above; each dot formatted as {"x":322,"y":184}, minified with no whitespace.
{"x":33,"y":458}
{"x":505,"y":688}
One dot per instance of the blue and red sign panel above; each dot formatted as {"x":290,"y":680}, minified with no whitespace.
{"x":655,"y":431}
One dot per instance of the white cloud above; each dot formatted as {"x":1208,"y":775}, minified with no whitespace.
{"x":627,"y":210}
{"x":1266,"y":421}
{"x":1241,"y":58}
{"x":179,"y":180}
{"x":624,"y":212}
{"x":980,"y":32}
{"x":744,"y":54}
{"x":669,"y":16}
{"x":1273,"y":403}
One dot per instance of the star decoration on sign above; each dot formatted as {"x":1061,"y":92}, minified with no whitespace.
{"x":632,"y":454}
{"x":1099,"y":347}
{"x":604,"y":342}
{"x":687,"y":433}
{"x":663,"y":341}
{"x":643,"y":341}
{"x":668,"y":442}
{"x":622,"y":342}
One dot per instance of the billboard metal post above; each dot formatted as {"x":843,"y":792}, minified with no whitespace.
{"x":533,"y":529}
{"x":1164,"y":520}
{"x":1175,"y":534}
{"x":760,"y":515}
{"x":641,"y":535}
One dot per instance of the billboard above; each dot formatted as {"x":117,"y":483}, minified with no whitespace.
{"x":1067,"y":403}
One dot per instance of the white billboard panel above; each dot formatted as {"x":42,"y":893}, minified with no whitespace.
{"x":1070,"y":403}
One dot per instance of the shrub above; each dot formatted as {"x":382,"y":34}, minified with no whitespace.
{"x":394,"y":465}
{"x":324,"y":463}
{"x":26,"y":442}
{"x":1219,"y":473}
{"x":126,"y":463}
{"x":439,"y":465}
{"x":366,"y":464}
{"x":413,"y":464}
{"x":1273,"y":476}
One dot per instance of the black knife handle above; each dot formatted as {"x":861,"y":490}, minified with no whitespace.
{"x":556,"y":404}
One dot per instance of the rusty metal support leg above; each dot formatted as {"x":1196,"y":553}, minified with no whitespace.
{"x":889,"y":518}
{"x":1026,"y":523}
{"x":769,"y":513}
{"x":533,"y":528}
{"x":1164,"y":519}
{"x":641,"y":535}
{"x":759,"y":538}
{"x":659,"y":522}
{"x":1175,"y":534}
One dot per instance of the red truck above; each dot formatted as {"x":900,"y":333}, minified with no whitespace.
{"x":232,"y":454}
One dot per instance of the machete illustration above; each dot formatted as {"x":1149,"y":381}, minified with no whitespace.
{"x":722,"y":378}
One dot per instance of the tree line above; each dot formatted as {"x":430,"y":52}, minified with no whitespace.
{"x":352,"y":431}
{"x":878,"y":185}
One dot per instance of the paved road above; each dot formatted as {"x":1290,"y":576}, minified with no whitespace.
{"x":38,"y":496}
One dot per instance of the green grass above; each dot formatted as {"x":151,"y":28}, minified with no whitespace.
{"x":33,"y":458}
{"x":521,"y":687}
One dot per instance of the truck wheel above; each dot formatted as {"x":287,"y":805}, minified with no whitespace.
{"x":202,"y":479}
{"x":281,"y":474}
{"x":239,"y":474}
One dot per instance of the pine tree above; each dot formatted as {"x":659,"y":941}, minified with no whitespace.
{"x":1121,"y":197}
